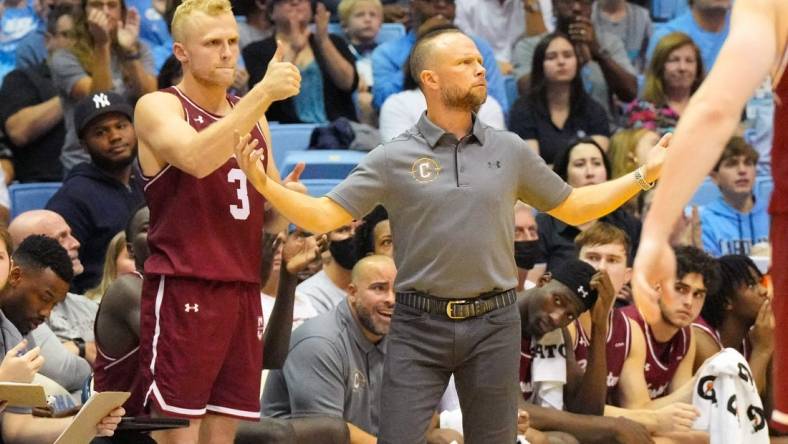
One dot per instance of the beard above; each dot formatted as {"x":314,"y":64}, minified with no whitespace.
{"x":365,"y":317}
{"x":466,"y":100}
{"x":112,"y":165}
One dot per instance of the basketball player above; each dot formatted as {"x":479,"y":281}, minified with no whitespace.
{"x":756,"y":47}
{"x":201,"y":324}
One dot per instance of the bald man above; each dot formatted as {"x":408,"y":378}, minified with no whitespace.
{"x":458,"y":180}
{"x":71,"y":320}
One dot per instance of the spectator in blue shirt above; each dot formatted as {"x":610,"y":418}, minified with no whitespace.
{"x":706,"y":22}
{"x":18,"y":20}
{"x":389,"y":58}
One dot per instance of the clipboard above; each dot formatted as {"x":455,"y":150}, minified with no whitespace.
{"x":23,"y":395}
{"x":83,"y":428}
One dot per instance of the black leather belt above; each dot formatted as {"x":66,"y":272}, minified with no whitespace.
{"x":457,"y":309}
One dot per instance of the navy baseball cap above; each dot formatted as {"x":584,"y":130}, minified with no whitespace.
{"x":96,"y":105}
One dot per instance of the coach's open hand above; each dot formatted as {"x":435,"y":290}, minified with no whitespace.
{"x":282,"y":79}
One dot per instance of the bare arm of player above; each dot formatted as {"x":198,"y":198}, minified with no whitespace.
{"x":632,"y":388}
{"x":705,"y":126}
{"x":594,"y":201}
{"x":166,"y":138}
{"x":705,"y":347}
{"x":315,"y":214}
{"x":684,"y":373}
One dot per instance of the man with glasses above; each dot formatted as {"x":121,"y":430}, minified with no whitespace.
{"x":606,"y":69}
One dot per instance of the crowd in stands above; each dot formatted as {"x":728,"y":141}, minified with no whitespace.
{"x":589,"y":85}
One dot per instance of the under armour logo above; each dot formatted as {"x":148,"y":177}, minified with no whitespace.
{"x":495,"y":164}
{"x":199,"y":119}
{"x":101,"y":100}
{"x":195,"y":308}
{"x":582,"y":292}
{"x":647,"y":367}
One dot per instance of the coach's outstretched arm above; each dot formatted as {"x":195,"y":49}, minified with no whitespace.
{"x":315,"y":214}
{"x":594,"y":201}
{"x":165,"y":137}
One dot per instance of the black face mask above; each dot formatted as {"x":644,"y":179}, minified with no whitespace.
{"x":527,"y":253}
{"x":344,"y":252}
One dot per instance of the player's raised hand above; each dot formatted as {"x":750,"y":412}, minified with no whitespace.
{"x":248,"y":158}
{"x":282,"y":79}
{"x":606,"y":296}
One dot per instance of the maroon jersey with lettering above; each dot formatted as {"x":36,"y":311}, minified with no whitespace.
{"x":119,"y":374}
{"x":208,"y":228}
{"x":662,"y":358}
{"x":617,"y":346}
{"x":526,"y":386}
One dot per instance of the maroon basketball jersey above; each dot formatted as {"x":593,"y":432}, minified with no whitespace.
{"x":617,"y":345}
{"x":209,"y":228}
{"x":526,"y":386}
{"x":745,"y":348}
{"x":662,"y":358}
{"x":119,"y":374}
{"x":779,"y":203}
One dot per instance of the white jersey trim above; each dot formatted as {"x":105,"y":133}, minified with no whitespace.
{"x":233,"y":412}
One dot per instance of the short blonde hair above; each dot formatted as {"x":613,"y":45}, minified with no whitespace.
{"x":186,"y":9}
{"x":346,"y":7}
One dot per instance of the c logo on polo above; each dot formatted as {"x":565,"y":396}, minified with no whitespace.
{"x":425,"y":170}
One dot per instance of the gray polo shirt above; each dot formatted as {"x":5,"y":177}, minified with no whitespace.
{"x":331,"y":369}
{"x":451,"y":204}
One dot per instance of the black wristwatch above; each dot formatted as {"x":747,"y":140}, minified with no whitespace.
{"x":80,"y":345}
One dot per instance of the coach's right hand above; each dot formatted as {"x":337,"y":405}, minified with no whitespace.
{"x":282,"y":79}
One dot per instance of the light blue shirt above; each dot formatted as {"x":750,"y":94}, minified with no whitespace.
{"x":153,"y":31}
{"x":708,"y":42}
{"x":15,"y":24}
{"x":663,"y":10}
{"x":389,"y":58}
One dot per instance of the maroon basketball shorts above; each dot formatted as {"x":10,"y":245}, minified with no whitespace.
{"x":779,"y":236}
{"x":201,"y":347}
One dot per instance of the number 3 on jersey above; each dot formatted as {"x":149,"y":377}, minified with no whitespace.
{"x":239,"y":212}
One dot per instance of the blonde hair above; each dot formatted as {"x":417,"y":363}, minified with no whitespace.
{"x":623,"y":158}
{"x":110,"y":272}
{"x":346,"y":7}
{"x":186,"y":9}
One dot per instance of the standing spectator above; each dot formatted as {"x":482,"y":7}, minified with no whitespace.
{"x":154,"y":31}
{"x":630,"y":22}
{"x":97,"y":197}
{"x":736,"y":220}
{"x":17,"y":20}
{"x":389,"y":58}
{"x":556,"y":108}
{"x":602,"y":58}
{"x":361,"y":20}
{"x":706,"y":22}
{"x":107,"y":56}
{"x":582,"y":163}
{"x":502,"y":22}
{"x":31,"y":111}
{"x":257,"y":25}
{"x":328,"y":73}
{"x":33,"y":49}
{"x":674,"y":73}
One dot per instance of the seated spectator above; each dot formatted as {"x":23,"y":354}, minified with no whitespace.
{"x":97,"y":197}
{"x":326,"y":289}
{"x":396,"y":11}
{"x":666,"y":356}
{"x":154,"y":31}
{"x":33,"y":49}
{"x":674,"y":73}
{"x":389,"y":58}
{"x":257,"y":25}
{"x":40,"y":267}
{"x":527,"y":254}
{"x":502,"y":22}
{"x":556,"y":108}
{"x":737,"y":220}
{"x":31,"y":111}
{"x":361,"y":20}
{"x":738,"y":316}
{"x":706,"y":23}
{"x":117,"y":262}
{"x":328,"y":73}
{"x":71,"y":320}
{"x":630,"y":22}
{"x":582,"y":163}
{"x":402,"y":110}
{"x":628,"y":149}
{"x":107,"y":55}
{"x":18,"y":20}
{"x":602,"y":59}
{"x":335,"y":363}
{"x":373,"y":235}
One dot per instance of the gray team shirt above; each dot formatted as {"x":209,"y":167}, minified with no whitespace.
{"x":331,"y":369}
{"x":451,"y":204}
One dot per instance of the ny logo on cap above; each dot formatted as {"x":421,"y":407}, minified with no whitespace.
{"x":100,"y":100}
{"x":582,"y":292}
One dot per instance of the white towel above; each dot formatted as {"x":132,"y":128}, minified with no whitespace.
{"x":548,"y":370}
{"x":725,"y":394}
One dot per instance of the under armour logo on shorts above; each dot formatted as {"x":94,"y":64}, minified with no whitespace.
{"x":195,"y":308}
{"x":101,"y":100}
{"x":199,"y":119}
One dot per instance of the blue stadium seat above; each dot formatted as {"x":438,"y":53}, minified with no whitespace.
{"x":320,"y":187}
{"x":289,"y":137}
{"x":30,"y":196}
{"x":323,"y":164}
{"x":706,"y":193}
{"x":511,"y":89}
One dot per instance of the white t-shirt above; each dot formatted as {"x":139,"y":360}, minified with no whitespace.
{"x":302,"y":309}
{"x":320,"y":292}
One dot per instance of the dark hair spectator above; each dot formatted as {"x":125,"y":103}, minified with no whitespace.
{"x":40,"y":252}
